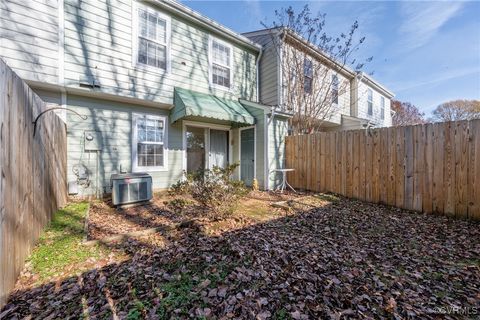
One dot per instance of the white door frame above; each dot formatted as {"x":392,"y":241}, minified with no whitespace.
{"x":207,"y":126}
{"x":254,"y":151}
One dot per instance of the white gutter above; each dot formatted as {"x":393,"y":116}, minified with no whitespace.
{"x":207,"y":23}
{"x":372,"y":82}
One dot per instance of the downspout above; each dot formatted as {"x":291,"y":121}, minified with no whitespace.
{"x":358,"y":79}
{"x":280,"y":73}
{"x":368,"y":125}
{"x":61,"y":59}
{"x":280,"y":103}
{"x":258,"y":73}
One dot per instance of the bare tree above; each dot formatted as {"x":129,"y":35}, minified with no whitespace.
{"x":457,"y":110}
{"x":316,"y":68}
{"x":406,"y":114}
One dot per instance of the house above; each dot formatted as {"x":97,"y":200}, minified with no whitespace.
{"x":163,"y":88}
{"x":356,"y":100}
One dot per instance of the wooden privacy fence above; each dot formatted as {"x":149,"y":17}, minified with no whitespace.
{"x":430,"y":168}
{"x":33,"y":173}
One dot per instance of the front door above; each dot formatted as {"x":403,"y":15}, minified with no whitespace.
{"x":206,"y":148}
{"x":247,"y":155}
{"x":218,"y":148}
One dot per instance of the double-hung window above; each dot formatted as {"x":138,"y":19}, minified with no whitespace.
{"x":382,"y":106}
{"x":152,"y":38}
{"x":370,"y":102}
{"x":221,"y":63}
{"x":307,"y":75}
{"x":149,"y":138}
{"x":334,"y":89}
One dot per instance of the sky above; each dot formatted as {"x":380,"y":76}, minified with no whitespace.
{"x":426,"y":52}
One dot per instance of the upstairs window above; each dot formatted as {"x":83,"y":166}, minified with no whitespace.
{"x":307,"y":75}
{"x":382,"y":106}
{"x":149,"y":133}
{"x":370,"y":102}
{"x":334,"y":89}
{"x":153,"y":34}
{"x":221,"y":63}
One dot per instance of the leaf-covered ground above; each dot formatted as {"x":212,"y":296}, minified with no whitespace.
{"x":344,"y":259}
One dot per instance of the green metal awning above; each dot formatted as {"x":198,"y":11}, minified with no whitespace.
{"x":190,"y":104}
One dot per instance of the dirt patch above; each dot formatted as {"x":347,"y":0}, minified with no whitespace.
{"x":106,"y":221}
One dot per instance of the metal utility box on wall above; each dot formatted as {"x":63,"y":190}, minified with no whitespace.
{"x":93,"y":141}
{"x":131,"y":187}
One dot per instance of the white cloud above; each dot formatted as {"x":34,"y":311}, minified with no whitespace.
{"x":422,"y":20}
{"x":437,"y":78}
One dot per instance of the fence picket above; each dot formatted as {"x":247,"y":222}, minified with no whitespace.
{"x":434,"y":168}
{"x":29,"y":190}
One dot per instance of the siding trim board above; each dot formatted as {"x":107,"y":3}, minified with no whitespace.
{"x":266,"y":184}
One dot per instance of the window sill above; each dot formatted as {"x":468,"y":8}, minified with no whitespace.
{"x":221,"y":88}
{"x":150,"y":69}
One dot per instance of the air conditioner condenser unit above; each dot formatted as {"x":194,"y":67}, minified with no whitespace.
{"x":131,"y":187}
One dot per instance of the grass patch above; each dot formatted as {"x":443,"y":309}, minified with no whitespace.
{"x":181,"y":292}
{"x":177,"y":294}
{"x":327,"y":197}
{"x":60,"y":245}
{"x":255,"y":209}
{"x":281,"y":314}
{"x":469,"y":262}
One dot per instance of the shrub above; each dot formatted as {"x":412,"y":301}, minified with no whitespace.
{"x":213,"y":189}
{"x":177,"y":205}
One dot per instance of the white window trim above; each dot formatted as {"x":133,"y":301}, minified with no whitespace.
{"x":305,"y":76}
{"x":135,"y":32}
{"x":334,"y":76}
{"x":135,"y":167}
{"x":210,"y":63}
{"x":369,"y":101}
{"x":382,"y":107}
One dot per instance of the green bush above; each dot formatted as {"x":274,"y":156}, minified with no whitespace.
{"x":177,"y":205}
{"x":213,"y":189}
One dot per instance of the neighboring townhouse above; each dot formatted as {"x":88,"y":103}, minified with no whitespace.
{"x":370,"y":101}
{"x":361,"y":103}
{"x":165,"y":89}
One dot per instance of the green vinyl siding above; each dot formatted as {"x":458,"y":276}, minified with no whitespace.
{"x":99,"y":38}
{"x":113,"y":122}
{"x":268,"y":69}
{"x":29,"y":38}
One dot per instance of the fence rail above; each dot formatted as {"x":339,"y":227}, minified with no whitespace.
{"x":434,"y":168}
{"x":33,"y":173}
